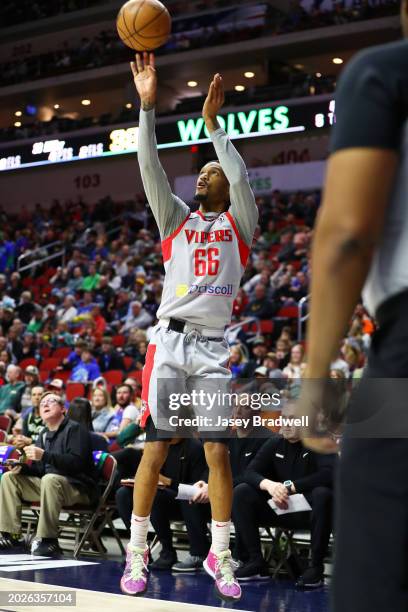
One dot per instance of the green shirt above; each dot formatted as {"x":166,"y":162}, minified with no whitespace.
{"x":90,"y":282}
{"x":10,"y":397}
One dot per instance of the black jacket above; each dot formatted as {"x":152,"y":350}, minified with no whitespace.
{"x":68,"y":452}
{"x":242,"y":451}
{"x":111,"y":361}
{"x":280,"y":460}
{"x":185,"y":463}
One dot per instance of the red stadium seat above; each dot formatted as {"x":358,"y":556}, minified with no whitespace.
{"x":113,"y":377}
{"x":118,"y":340}
{"x":45,"y":352}
{"x":63,"y":375}
{"x":75,"y":390}
{"x":50,"y":363}
{"x":288,"y":312}
{"x":3,"y":436}
{"x":128,"y":362}
{"x":62,"y":352}
{"x":136,"y":374}
{"x":44,"y":375}
{"x":24,"y":363}
{"x":5,"y":423}
{"x":266,"y":326}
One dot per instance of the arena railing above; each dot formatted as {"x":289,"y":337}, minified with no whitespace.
{"x":37,"y":262}
{"x":303,"y":316}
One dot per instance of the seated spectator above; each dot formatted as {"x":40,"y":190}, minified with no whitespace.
{"x":91,"y":282}
{"x":29,"y":426}
{"x":296,"y":366}
{"x":80,"y":410}
{"x":11,"y":394}
{"x":29,"y":348}
{"x":271,"y":363}
{"x":26,"y":307}
{"x":282,"y":468}
{"x":283,"y":353}
{"x":260,"y":306}
{"x":185,"y":464}
{"x":104,"y":417}
{"x":259,"y":351}
{"x":137,"y":316}
{"x":75,"y":356}
{"x":125,"y":410}
{"x":237,"y":360}
{"x":37,"y":322}
{"x":109,"y":358}
{"x":68,"y":311}
{"x":87,"y":369}
{"x":62,"y":473}
{"x":31,"y":379}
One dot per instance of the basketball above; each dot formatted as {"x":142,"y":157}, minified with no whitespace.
{"x":143,"y":25}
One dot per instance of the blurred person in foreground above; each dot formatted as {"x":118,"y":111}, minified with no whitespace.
{"x":360,"y":246}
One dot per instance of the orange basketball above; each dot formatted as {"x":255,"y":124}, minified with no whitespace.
{"x":143,"y":25}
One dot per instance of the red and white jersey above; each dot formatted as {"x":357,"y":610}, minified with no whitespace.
{"x":204,"y":260}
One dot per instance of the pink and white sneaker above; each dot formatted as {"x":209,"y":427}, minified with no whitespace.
{"x":220,"y":566}
{"x":134,"y":579}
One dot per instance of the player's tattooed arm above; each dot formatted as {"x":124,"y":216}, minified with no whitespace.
{"x":213,"y":103}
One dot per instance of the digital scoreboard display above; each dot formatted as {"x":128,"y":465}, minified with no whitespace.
{"x":250,"y":123}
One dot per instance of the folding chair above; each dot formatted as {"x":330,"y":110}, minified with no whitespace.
{"x":5,"y":422}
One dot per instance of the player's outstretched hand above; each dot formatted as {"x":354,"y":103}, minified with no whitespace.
{"x":144,"y":75}
{"x":215,"y":98}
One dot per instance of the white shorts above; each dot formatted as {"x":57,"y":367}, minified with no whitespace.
{"x":185,"y":363}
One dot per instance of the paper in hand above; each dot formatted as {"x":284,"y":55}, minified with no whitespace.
{"x":186,"y":492}
{"x":296,"y":503}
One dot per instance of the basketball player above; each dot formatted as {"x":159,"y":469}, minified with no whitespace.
{"x":361,"y":245}
{"x":206,"y":250}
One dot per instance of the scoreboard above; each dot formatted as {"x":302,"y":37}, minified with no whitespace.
{"x":251,"y":122}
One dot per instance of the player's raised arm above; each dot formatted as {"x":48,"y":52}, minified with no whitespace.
{"x":168,"y":210}
{"x":243,"y":207}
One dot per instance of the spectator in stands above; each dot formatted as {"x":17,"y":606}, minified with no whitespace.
{"x":259,"y":351}
{"x":29,"y":348}
{"x":271,"y":363}
{"x":36,"y":323}
{"x":31,"y":379}
{"x":67,"y":312}
{"x":260,"y":306}
{"x":87,"y":369}
{"x":30,"y":424}
{"x":62,"y":473}
{"x":11,"y":394}
{"x":185,"y":464}
{"x":74,"y":357}
{"x":104,"y":418}
{"x":137,"y":316}
{"x":91,"y":281}
{"x":126,"y":411}
{"x":283,"y":352}
{"x":237,"y":360}
{"x":80,"y":410}
{"x":296,"y":366}
{"x":282,"y":468}
{"x":14,"y":346}
{"x":109,"y":358}
{"x":104,"y":292}
{"x":240,"y":303}
{"x":26,"y":307}
{"x":75,"y":282}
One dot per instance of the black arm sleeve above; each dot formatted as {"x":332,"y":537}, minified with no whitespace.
{"x":371,"y":99}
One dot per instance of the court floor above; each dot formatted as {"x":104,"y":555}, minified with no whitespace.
{"x":96,"y":583}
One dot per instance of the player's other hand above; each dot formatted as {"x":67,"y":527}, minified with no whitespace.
{"x":215,"y":98}
{"x":145,"y":77}
{"x":202,"y":496}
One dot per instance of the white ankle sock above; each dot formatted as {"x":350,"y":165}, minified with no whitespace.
{"x":139,"y":526}
{"x":220,"y":533}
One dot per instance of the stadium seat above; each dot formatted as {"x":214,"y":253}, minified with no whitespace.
{"x":128,"y":362}
{"x":3,"y":436}
{"x":75,"y":390}
{"x":118,"y":340}
{"x":136,"y":374}
{"x":50,"y":363}
{"x":44,"y":375}
{"x":266,"y":326}
{"x":288,"y":312}
{"x":24,"y":363}
{"x":5,"y":423}
{"x":45,"y":352}
{"x":62,"y":352}
{"x":64,"y":375}
{"x":113,"y":377}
